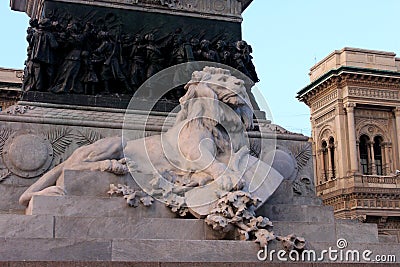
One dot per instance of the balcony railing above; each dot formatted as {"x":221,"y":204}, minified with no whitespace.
{"x":379,"y":179}
{"x":359,"y":181}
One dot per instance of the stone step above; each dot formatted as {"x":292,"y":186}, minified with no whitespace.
{"x":70,"y":206}
{"x":328,"y":232}
{"x":50,"y":249}
{"x":388,"y":239}
{"x":79,"y":206}
{"x":185,"y":251}
{"x":48,"y":226}
{"x":284,"y":195}
{"x":297,"y":213}
{"x":357,"y":232}
{"x":135,"y":250}
{"x":173,"y":251}
{"x":22,"y":226}
{"x":345,"y":254}
{"x":75,"y":182}
{"x":9,"y":195}
{"x":114,"y":228}
{"x":312,"y":232}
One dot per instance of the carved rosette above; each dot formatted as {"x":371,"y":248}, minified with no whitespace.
{"x":27,"y":155}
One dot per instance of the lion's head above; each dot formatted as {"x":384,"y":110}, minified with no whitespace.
{"x":221,"y":93}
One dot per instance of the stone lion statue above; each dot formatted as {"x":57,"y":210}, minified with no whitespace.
{"x":207,"y":145}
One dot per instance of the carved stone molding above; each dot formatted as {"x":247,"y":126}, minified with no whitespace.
{"x":365,"y":204}
{"x":325,"y":100}
{"x":376,"y":114}
{"x":325,"y":134}
{"x":373,"y":128}
{"x":326,"y":117}
{"x":368,"y":81}
{"x":221,"y":9}
{"x":374,"y":93}
{"x":232,"y":7}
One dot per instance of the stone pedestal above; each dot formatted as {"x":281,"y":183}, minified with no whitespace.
{"x":91,"y":228}
{"x":64,"y":128}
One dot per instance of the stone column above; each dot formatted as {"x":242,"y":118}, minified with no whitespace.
{"x":391,"y":153}
{"x":335,"y":159}
{"x":352,"y":137}
{"x":397,"y":116}
{"x":315,"y":162}
{"x":330,"y":169}
{"x":322,"y":165}
{"x":388,"y":159}
{"x":373,"y":166}
{"x":385,"y":159}
{"x":358,"y":155}
{"x":318,"y":166}
{"x":369,"y":164}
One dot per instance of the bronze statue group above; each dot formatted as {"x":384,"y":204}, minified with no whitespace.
{"x":84,"y":58}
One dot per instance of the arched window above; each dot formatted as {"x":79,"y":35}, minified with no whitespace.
{"x":378,"y":154}
{"x":332,"y":155}
{"x":364,"y":157}
{"x":325,"y":160}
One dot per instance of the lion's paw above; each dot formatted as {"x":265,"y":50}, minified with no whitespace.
{"x":114,"y":166}
{"x":225,"y":183}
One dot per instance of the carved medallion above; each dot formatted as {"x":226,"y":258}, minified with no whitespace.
{"x":28,"y":155}
{"x":284,"y":162}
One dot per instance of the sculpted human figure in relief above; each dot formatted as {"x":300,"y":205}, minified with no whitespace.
{"x":207,"y":144}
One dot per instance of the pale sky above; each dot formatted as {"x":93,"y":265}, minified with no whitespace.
{"x":288,"y":37}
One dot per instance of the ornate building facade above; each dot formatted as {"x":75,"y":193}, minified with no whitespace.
{"x":354,"y":98}
{"x":10,"y":87}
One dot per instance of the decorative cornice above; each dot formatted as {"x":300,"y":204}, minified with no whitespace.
{"x":214,"y":9}
{"x":346,"y":75}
